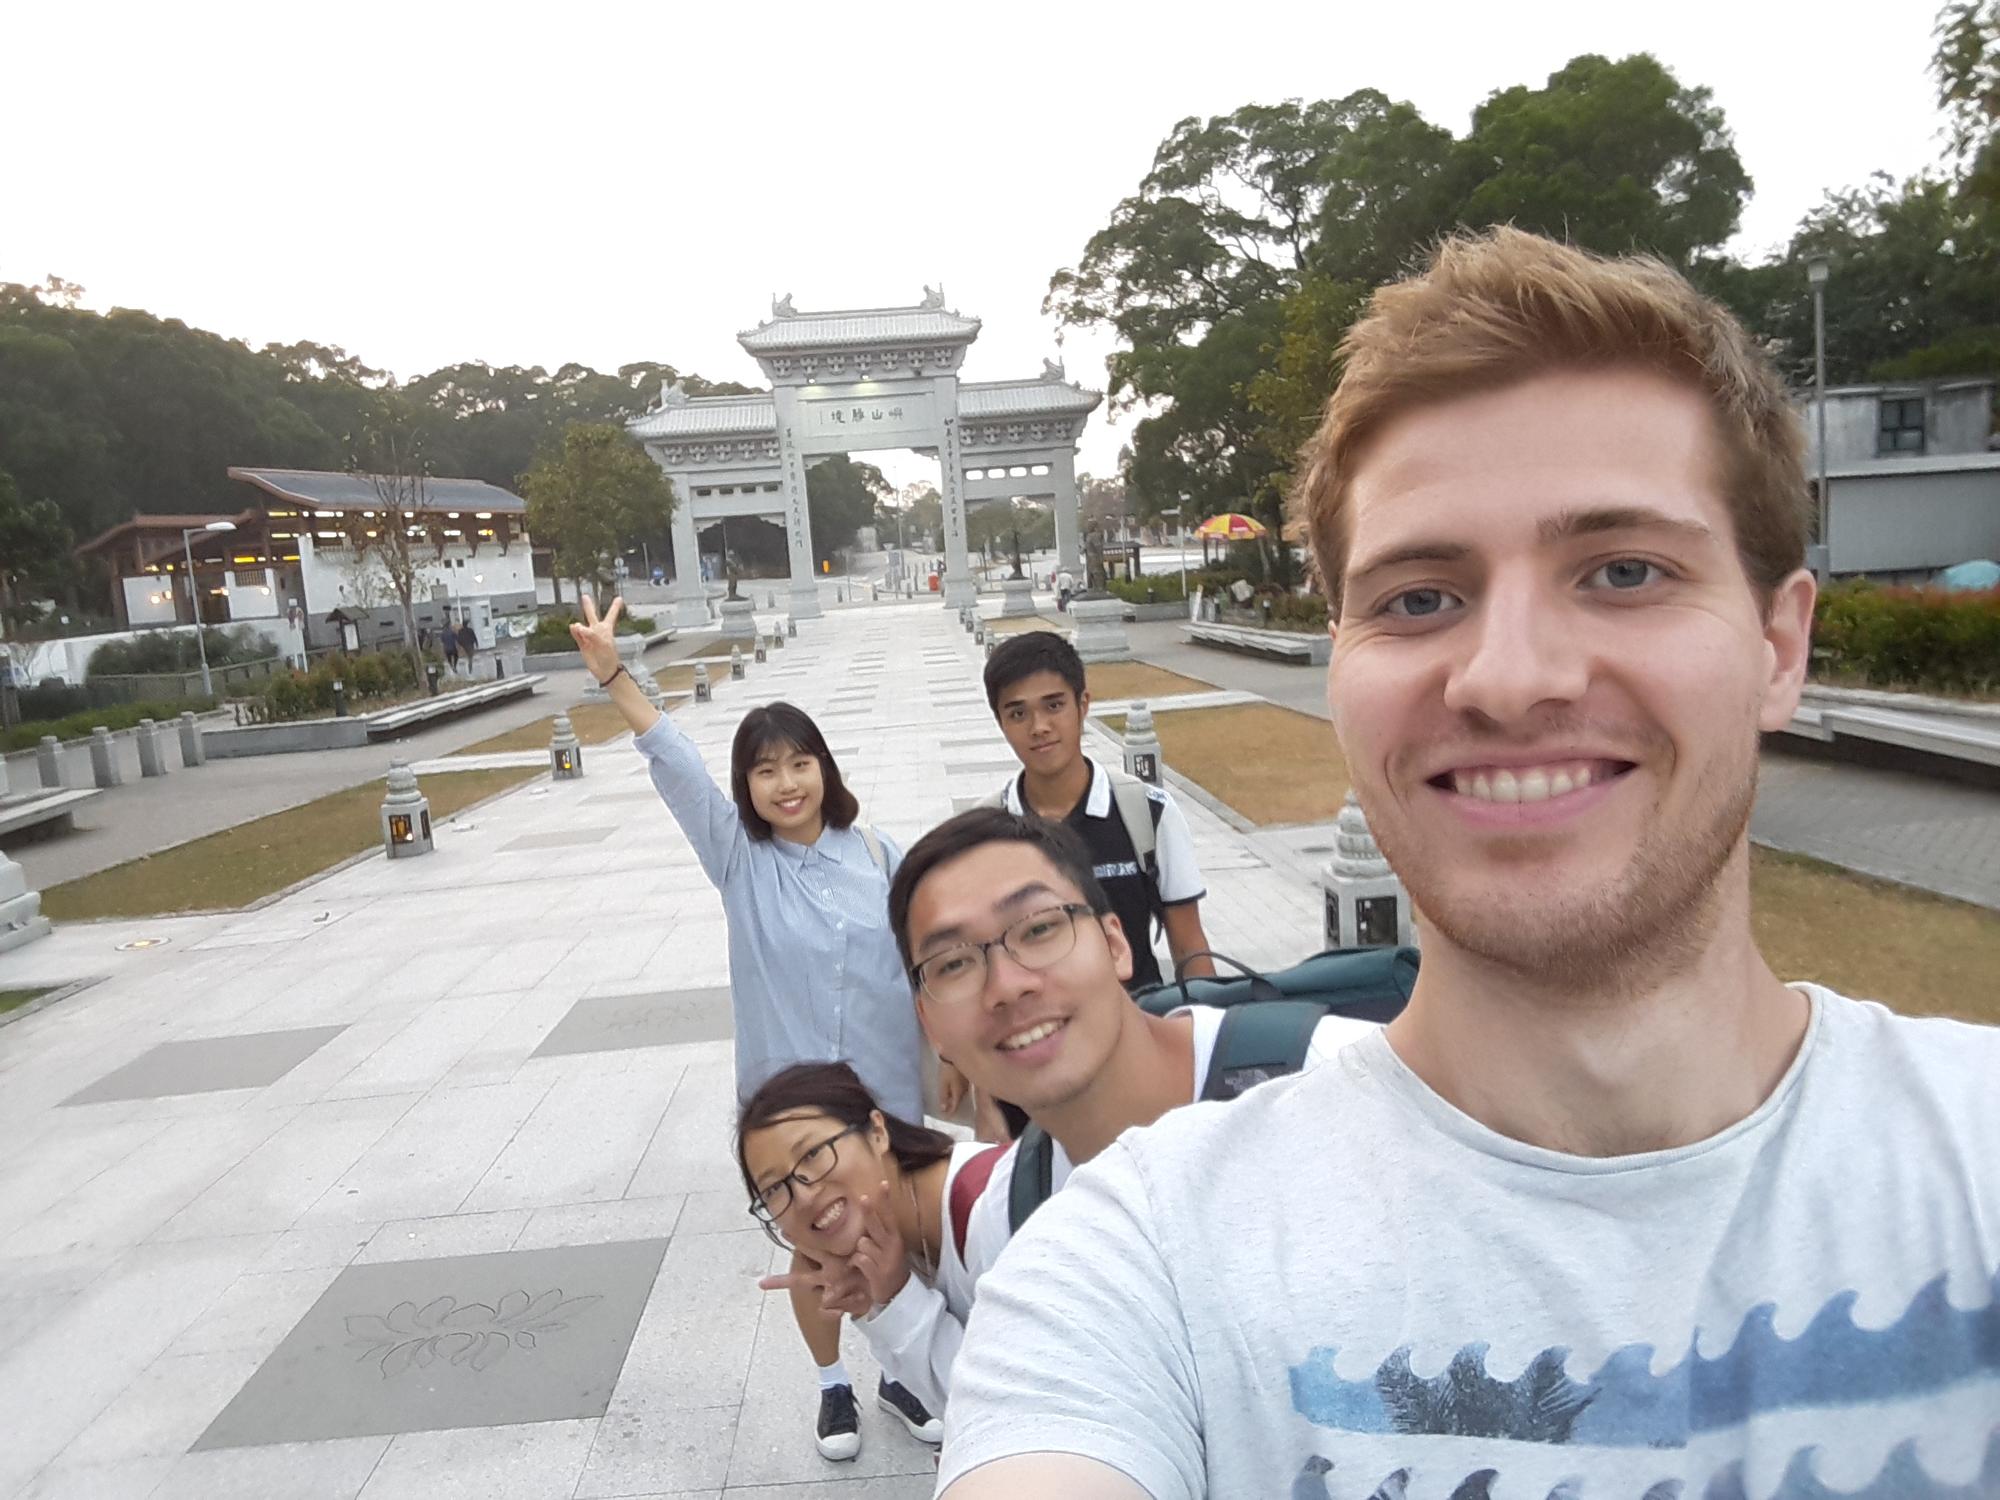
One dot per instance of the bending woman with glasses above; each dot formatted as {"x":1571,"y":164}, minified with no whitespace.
{"x":872,"y":1207}
{"x":814,"y":975}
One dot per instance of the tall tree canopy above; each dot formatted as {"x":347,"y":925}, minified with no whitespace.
{"x":841,"y":497}
{"x":110,"y":414}
{"x":1256,"y":236}
{"x":592,"y":494}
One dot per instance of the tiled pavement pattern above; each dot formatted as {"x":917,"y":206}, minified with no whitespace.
{"x":454,"y":1214}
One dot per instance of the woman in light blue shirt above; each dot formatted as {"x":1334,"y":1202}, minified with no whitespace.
{"x":813,"y":968}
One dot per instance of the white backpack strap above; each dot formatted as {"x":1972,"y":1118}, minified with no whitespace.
{"x":874,"y":843}
{"x":1135,"y":811}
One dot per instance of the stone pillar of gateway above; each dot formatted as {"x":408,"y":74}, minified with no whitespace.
{"x":855,"y":381}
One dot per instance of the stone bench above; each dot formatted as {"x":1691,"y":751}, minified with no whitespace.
{"x":1955,"y":739}
{"x":391,"y":721}
{"x":31,"y":809}
{"x":1308,"y":648}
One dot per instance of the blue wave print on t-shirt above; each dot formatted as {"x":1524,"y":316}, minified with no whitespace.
{"x":1932,"y":1347}
{"x":1902,"y":1477}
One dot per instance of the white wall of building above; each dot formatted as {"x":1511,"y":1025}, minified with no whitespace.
{"x":332,"y":579}
{"x":252,"y":593}
{"x":1911,"y":522}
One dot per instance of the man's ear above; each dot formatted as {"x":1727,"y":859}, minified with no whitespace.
{"x":1787,"y":648}
{"x":1119,"y":944}
{"x":1083,"y":704}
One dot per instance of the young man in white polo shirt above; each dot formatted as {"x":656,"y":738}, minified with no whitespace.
{"x":1609,"y":1210}
{"x":1036,"y":688}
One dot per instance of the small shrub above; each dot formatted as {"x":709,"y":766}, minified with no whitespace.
{"x":1914,"y":638}
{"x":175,"y":651}
{"x":551,"y":632}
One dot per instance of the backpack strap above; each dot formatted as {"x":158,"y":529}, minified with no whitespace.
{"x":874,"y":842}
{"x":1262,"y":1040}
{"x":1134,"y":802}
{"x":1034,"y":1176}
{"x":965,"y":1190}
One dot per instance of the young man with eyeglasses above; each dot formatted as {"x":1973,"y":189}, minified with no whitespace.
{"x":1020,"y":966}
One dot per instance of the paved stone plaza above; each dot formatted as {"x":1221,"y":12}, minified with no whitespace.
{"x":417,"y":1181}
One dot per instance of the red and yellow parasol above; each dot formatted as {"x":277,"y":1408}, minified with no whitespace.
{"x":1232,"y":526}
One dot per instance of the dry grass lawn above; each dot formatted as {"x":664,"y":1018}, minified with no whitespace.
{"x":717,"y":647}
{"x":1023,"y":623}
{"x":253,"y":860}
{"x":1915,"y":952}
{"x":594,"y":723}
{"x":1296,"y":774}
{"x":1111,"y":681}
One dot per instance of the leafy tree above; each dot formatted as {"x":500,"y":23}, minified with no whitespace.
{"x":841,"y":497}
{"x":34,"y":550}
{"x":1966,"y":68}
{"x":1613,"y":156}
{"x":1256,"y":236}
{"x":388,"y":453}
{"x":921,"y":510}
{"x":591,"y":495}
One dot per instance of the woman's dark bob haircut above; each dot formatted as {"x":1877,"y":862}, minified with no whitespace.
{"x":772,"y":730}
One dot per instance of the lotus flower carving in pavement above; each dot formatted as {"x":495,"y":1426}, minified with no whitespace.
{"x":473,"y":1334}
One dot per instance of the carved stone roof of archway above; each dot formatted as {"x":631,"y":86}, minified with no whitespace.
{"x":865,"y":327}
{"x":708,"y":416}
{"x":978,"y":400}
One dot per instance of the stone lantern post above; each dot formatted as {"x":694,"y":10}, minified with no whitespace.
{"x":1142,"y":745}
{"x":791,"y":625}
{"x":760,"y":658}
{"x":702,"y":690}
{"x":565,"y":754}
{"x":1366,"y":905}
{"x":735,"y":663}
{"x":777,"y":640}
{"x":406,"y":814}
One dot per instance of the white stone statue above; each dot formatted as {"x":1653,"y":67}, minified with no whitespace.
{"x":781,"y":307}
{"x":672,"y":393}
{"x":933,"y":297}
{"x":1052,"y":369}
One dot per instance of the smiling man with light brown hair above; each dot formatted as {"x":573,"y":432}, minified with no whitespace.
{"x":1610,"y":1210}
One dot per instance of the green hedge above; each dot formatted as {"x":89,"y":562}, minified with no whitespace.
{"x":309,"y":695}
{"x":1920,"y":639}
{"x":77,"y":726}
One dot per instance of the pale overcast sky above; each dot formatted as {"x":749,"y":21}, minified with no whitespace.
{"x":422,"y":184}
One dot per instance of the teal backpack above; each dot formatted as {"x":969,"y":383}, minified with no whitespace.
{"x":1266,"y":1032}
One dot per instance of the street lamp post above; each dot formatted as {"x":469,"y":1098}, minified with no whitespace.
{"x":194,"y":599}
{"x":1816,"y":274}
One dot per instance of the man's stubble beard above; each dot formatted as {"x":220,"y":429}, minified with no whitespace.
{"x":1653,"y":923}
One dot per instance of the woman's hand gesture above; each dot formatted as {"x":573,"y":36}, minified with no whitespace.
{"x":597,"y":639}
{"x":881,"y":1256}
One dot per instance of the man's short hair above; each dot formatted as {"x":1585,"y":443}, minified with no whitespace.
{"x":973,"y":829}
{"x":1026,"y":654}
{"x":1503,"y":306}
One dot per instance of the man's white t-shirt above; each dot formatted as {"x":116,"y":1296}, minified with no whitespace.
{"x":915,"y":1336}
{"x":1340,"y":1285}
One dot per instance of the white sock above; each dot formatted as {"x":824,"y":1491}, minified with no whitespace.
{"x":833,"y":1375}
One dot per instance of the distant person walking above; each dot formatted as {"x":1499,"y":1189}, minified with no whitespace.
{"x":1065,"y":586}
{"x":450,"y":642}
{"x":468,"y":645}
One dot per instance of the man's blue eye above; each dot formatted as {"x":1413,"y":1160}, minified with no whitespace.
{"x":1627,"y":573}
{"x":1416,"y":603}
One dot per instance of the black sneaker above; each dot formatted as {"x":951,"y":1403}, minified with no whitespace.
{"x":897,"y":1401}
{"x":839,"y":1424}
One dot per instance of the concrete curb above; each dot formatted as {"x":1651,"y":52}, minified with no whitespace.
{"x":53,"y":997}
